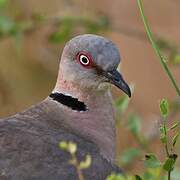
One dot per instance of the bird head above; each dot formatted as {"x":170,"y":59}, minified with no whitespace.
{"x":89,"y":61}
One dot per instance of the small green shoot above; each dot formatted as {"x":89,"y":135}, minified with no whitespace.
{"x":72,"y":148}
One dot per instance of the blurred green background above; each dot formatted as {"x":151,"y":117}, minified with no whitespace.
{"x":32,"y":36}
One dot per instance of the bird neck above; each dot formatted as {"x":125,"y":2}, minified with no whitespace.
{"x":72,"y":89}
{"x":69,"y":101}
{"x":97,"y":122}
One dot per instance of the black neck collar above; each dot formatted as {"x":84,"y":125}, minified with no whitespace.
{"x":68,"y":101}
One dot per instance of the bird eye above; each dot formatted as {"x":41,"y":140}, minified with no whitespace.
{"x":84,"y":59}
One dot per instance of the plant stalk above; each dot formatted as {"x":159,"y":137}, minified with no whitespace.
{"x":156,"y":48}
{"x":78,"y":169}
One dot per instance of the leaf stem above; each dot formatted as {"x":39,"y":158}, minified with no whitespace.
{"x":169,"y":175}
{"x":78,"y":169}
{"x":156,"y":48}
{"x":166,"y":146}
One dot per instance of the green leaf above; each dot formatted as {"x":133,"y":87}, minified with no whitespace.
{"x":151,"y":161}
{"x":153,"y":174}
{"x":94,"y":26}
{"x":137,"y":177}
{"x":122,"y":103}
{"x":63,"y":145}
{"x":60,"y":36}
{"x":169,"y":163}
{"x":134,"y":124}
{"x":3,"y":3}
{"x":175,"y":138}
{"x":64,"y":31}
{"x":72,"y":147}
{"x":163,"y":136}
{"x":115,"y":176}
{"x":129,"y":155}
{"x":86,"y":164}
{"x":175,"y":125}
{"x":6,"y":25}
{"x":176,"y":59}
{"x":164,"y":108}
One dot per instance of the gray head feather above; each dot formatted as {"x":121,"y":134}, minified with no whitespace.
{"x":104,"y":53}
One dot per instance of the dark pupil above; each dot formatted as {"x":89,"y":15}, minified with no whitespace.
{"x":84,"y":60}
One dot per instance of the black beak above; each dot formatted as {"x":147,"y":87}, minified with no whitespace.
{"x":114,"y":77}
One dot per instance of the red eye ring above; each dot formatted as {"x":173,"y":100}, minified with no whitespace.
{"x":84,"y":59}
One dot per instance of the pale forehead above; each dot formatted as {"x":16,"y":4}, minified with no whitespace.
{"x":104,"y":52}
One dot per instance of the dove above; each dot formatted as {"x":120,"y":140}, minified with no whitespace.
{"x":79,"y":109}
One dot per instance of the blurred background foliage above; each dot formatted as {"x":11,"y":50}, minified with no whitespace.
{"x":32,"y":36}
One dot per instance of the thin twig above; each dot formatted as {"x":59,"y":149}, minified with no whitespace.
{"x":78,"y":169}
{"x":156,"y":48}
